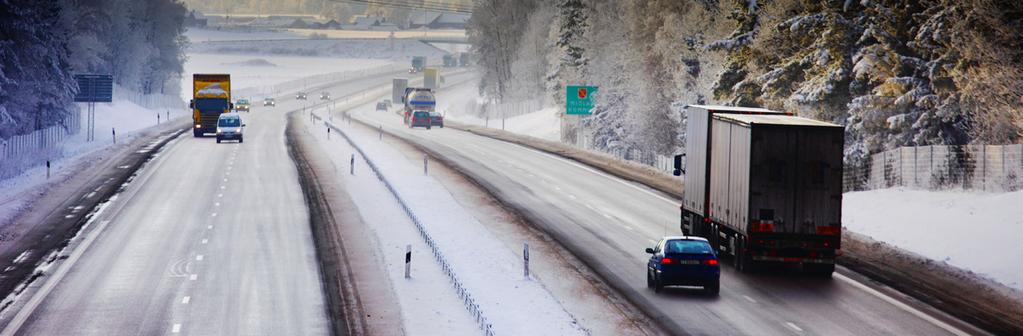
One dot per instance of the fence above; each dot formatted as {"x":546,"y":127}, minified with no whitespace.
{"x":978,"y":167}
{"x":23,"y":151}
{"x":150,"y":101}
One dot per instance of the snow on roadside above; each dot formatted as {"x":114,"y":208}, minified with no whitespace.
{"x":489,"y":271}
{"x":122,"y":116}
{"x":459,"y":104}
{"x":975,"y":231}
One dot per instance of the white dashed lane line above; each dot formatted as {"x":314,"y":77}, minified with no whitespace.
{"x":193,"y":277}
{"x":186,"y":300}
{"x":176,"y":328}
{"x":209,"y":226}
{"x":199,"y":257}
{"x":794,"y":326}
{"x":751,"y":300}
{"x":204,"y":241}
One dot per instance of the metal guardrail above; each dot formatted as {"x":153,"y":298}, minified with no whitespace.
{"x":467,"y":299}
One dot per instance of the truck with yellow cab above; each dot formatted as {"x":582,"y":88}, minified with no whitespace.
{"x":211,"y":97}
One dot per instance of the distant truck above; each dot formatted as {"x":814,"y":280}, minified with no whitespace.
{"x":398,"y":86}
{"x":417,"y":99}
{"x":418,"y":64}
{"x":763,"y":186}
{"x":431,"y":78}
{"x":211,"y":96}
{"x":450,"y":61}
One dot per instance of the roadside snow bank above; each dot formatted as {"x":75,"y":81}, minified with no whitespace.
{"x":974,"y":231}
{"x":462,"y":104}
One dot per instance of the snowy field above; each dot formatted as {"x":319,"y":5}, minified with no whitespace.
{"x":196,"y":35}
{"x":460,"y":103}
{"x":262,"y":70}
{"x":971,"y":230}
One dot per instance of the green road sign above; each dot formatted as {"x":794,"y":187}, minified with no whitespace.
{"x":579,"y":99}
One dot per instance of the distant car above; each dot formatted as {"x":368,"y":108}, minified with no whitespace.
{"x":301,"y":96}
{"x":436,"y":119}
{"x":381,"y":106}
{"x":324,"y":95}
{"x":242,"y":105}
{"x":420,"y":119}
{"x":229,"y":127}
{"x":386,"y":101}
{"x":269,"y":102}
{"x":683,"y":261}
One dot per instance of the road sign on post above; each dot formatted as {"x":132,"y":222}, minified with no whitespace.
{"x":579,"y":99}
{"x":94,"y":88}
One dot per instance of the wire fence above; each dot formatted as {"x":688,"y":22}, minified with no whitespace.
{"x":996,"y":168}
{"x":21,"y":152}
{"x":463,"y":293}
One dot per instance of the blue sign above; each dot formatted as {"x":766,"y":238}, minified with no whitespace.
{"x":95,"y":88}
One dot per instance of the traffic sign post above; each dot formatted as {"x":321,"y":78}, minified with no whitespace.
{"x":92,"y":89}
{"x":579,"y":99}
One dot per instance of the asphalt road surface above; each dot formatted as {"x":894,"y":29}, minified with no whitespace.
{"x":209,"y":239}
{"x":609,"y":222}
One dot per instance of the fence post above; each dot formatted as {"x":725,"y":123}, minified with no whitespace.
{"x":408,"y":261}
{"x":983,"y":171}
{"x":525,"y":260}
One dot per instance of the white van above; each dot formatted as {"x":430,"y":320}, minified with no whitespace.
{"x":229,"y":127}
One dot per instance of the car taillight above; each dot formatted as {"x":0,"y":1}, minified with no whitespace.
{"x":711,"y":261}
{"x":665,"y":261}
{"x":761,"y":226}
{"x":828,"y":230}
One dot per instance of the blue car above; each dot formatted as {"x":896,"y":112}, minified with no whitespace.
{"x":683,"y":261}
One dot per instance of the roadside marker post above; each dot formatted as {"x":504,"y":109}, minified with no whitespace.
{"x":408,"y":261}
{"x":47,"y":169}
{"x":113,"y":133}
{"x":353,"y":165}
{"x":425,"y":164}
{"x":158,"y":118}
{"x":328,"y":132}
{"x":380,"y":135}
{"x":525,"y":260}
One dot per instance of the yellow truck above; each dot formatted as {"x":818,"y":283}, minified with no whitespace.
{"x":211,"y":96}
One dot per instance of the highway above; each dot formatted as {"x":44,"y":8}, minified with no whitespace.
{"x":209,"y":239}
{"x":608,"y":222}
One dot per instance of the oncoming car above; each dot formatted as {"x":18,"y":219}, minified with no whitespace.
{"x":242,"y":105}
{"x":683,"y":261}
{"x":301,"y":96}
{"x":324,"y":95}
{"x":269,"y":102}
{"x":229,"y":127}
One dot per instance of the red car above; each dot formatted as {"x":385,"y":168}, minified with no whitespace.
{"x":420,"y":119}
{"x":436,"y":119}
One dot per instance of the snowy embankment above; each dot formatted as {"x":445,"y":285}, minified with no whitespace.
{"x":489,"y":272}
{"x":462,"y":104}
{"x":975,"y":231}
{"x":122,"y":116}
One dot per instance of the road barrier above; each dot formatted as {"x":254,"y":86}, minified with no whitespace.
{"x":467,"y":299}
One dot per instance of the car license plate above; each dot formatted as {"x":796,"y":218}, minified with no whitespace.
{"x":689,"y":262}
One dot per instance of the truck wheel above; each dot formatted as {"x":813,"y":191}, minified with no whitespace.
{"x":218,"y":139}
{"x":241,"y":140}
{"x":427,"y":126}
{"x":743,"y":261}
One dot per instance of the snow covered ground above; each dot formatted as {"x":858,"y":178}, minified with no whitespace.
{"x":250,"y":71}
{"x":196,"y":35}
{"x":491,"y":273}
{"x":971,"y":230}
{"x":460,"y":103}
{"x":123,"y":116}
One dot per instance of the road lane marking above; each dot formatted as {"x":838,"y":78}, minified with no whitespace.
{"x":900,"y":305}
{"x":794,"y":326}
{"x":751,"y":300}
{"x":220,"y":195}
{"x":186,"y":299}
{"x":199,"y":257}
{"x":214,"y":214}
{"x":209,"y":226}
{"x":628,"y":228}
{"x":176,"y":328}
{"x":606,"y":215}
{"x":204,"y":241}
{"x":193,"y":277}
{"x":571,"y":196}
{"x":216,"y":204}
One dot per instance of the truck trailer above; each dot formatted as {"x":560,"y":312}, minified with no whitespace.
{"x":418,"y":64}
{"x":764,"y":186}
{"x":417,"y":99}
{"x":211,"y":96}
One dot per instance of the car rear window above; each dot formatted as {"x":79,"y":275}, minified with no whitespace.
{"x":687,"y":246}
{"x":422,"y":114}
{"x":230,"y":122}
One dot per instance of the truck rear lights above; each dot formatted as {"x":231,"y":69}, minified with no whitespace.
{"x":829,"y":230}
{"x":762,"y":226}
{"x":665,"y":261}
{"x":711,"y":261}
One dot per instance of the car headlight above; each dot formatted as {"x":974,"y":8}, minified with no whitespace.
{"x":218,"y":130}
{"x":198,"y":126}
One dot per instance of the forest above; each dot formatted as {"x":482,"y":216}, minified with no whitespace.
{"x":46,"y":42}
{"x":893,"y":72}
